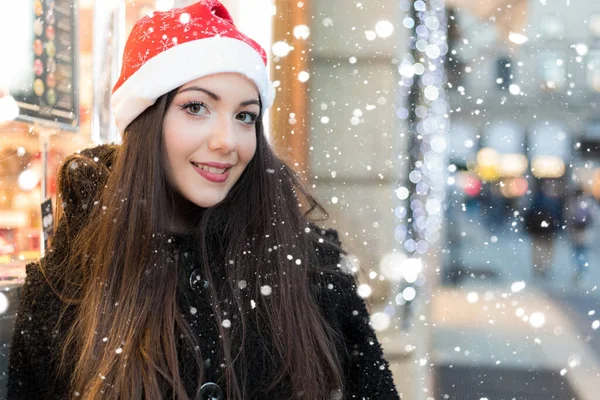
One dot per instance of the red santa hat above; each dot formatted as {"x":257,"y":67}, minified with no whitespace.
{"x":168,"y":49}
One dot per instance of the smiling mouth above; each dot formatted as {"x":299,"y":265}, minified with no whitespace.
{"x":212,"y":170}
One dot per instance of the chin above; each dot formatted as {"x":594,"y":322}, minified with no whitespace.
{"x":205,"y":201}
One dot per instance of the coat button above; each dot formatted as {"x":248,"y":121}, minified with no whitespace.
{"x":210,"y":391}
{"x":196,"y":281}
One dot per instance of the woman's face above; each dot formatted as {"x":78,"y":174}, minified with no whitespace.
{"x":209,"y":134}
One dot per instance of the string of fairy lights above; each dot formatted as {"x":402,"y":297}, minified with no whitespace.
{"x":423,"y":107}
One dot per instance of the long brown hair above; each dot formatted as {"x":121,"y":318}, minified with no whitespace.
{"x":124,"y":339}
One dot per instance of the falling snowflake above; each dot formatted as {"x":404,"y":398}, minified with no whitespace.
{"x":364,"y":290}
{"x":336,"y":394}
{"x":266,"y":290}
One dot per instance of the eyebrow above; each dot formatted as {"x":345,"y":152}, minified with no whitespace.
{"x":216,"y":97}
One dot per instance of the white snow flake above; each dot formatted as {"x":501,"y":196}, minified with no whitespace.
{"x":265,"y":290}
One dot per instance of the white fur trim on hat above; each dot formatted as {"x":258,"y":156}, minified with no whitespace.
{"x":182,"y":64}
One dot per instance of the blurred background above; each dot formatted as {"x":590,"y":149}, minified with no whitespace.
{"x":455,"y":145}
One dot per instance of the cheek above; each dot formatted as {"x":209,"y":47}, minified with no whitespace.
{"x":169,"y":141}
{"x":174,"y":138}
{"x":173,"y":146}
{"x":247,"y":148}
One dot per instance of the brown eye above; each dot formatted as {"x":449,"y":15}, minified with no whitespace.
{"x":247,"y":117}
{"x":195,"y":108}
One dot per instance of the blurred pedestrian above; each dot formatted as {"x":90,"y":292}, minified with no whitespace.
{"x":186,"y":265}
{"x":579,"y":212}
{"x":543,"y":220}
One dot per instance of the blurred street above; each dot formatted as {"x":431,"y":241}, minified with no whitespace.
{"x":497,"y":332}
{"x":495,"y":313}
{"x":503,"y":254}
{"x":508,"y":346}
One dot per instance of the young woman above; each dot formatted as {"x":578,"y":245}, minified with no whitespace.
{"x":184,"y":265}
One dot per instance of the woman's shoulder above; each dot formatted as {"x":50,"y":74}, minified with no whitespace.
{"x":81,"y":179}
{"x":40,"y":308}
{"x":333,"y":275}
{"x":81,"y":173}
{"x":48,"y":291}
{"x":88,"y":164}
{"x":326,"y":245}
{"x":44,"y":281}
{"x":104,"y":153}
{"x":37,"y":337}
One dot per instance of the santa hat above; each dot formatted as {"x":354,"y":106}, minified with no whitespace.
{"x":168,"y":49}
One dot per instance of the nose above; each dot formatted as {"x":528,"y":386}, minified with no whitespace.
{"x":223,"y":136}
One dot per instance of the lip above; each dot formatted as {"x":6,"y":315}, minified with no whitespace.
{"x":209,"y":176}
{"x":213,"y":164}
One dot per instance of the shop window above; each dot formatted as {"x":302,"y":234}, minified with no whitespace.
{"x":590,"y":138}
{"x":551,"y":71}
{"x":593,"y":70}
{"x":552,"y":26}
{"x":595,"y":25}
{"x":504,"y":73}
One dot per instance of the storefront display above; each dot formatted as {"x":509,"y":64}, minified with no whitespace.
{"x":42,"y":81}
{"x":21,"y":175}
{"x":48,"y":90}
